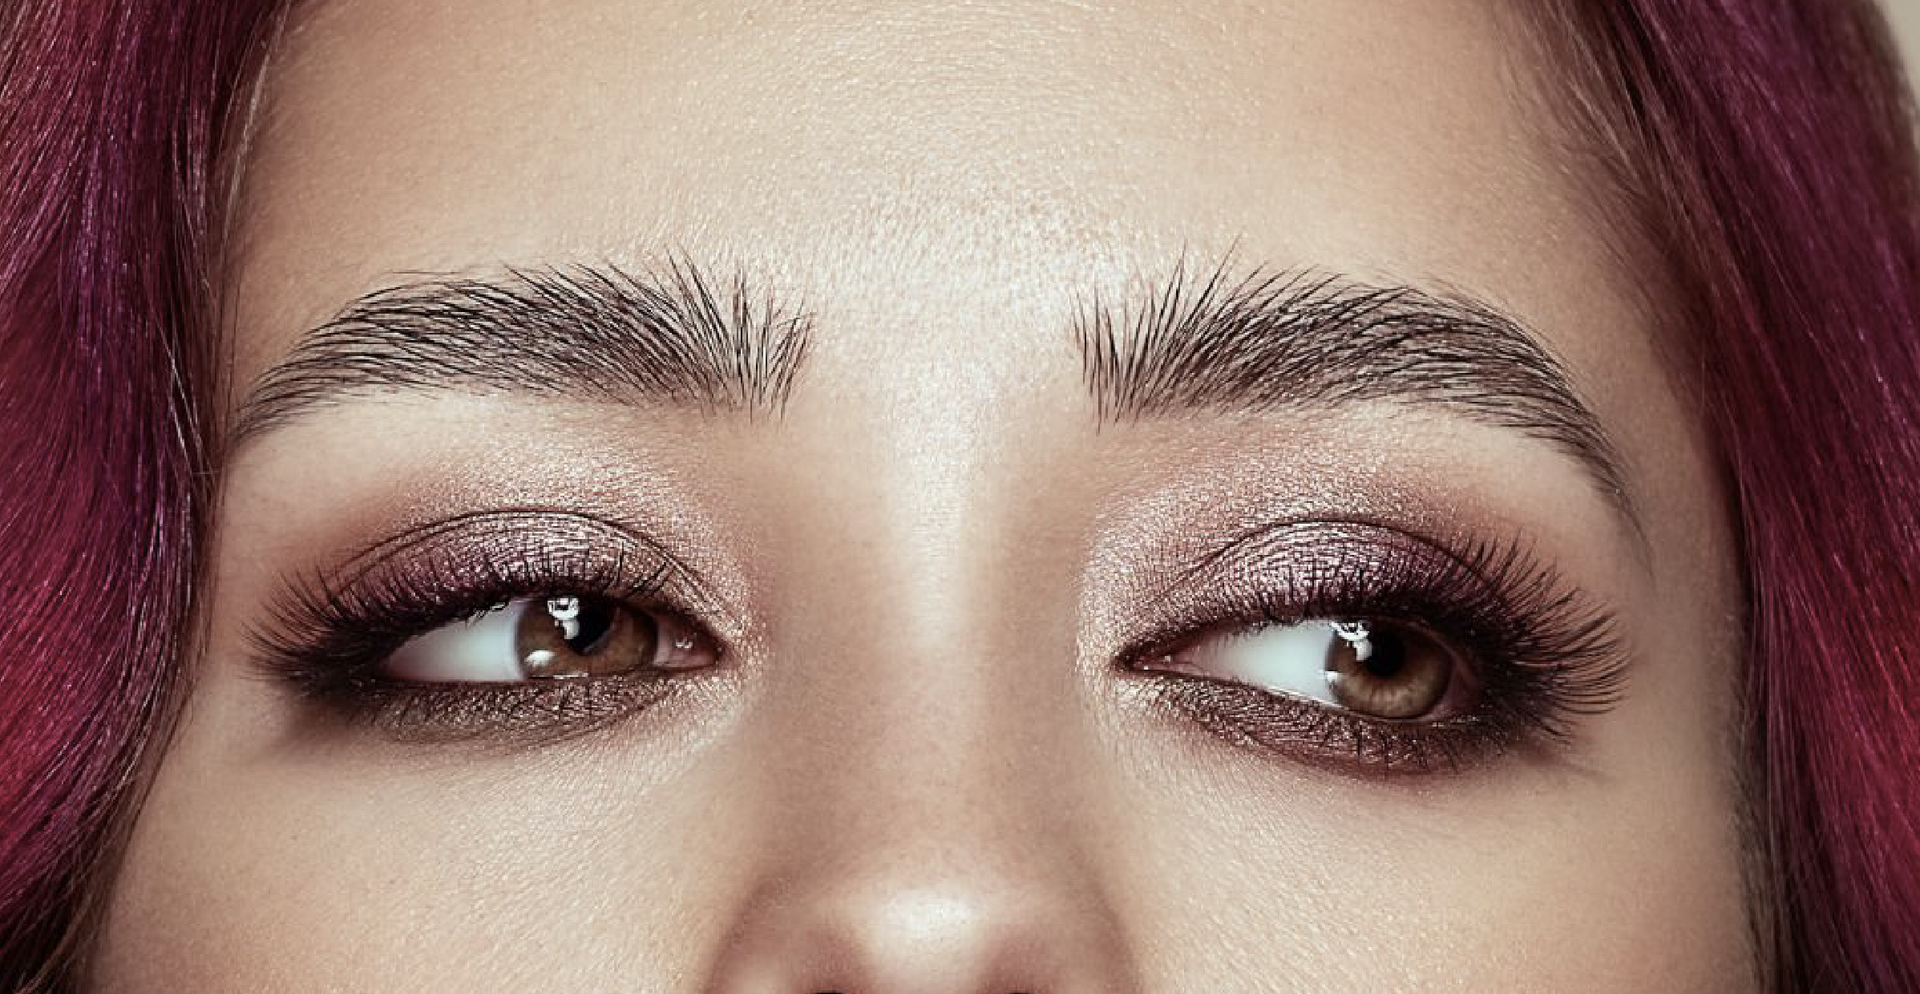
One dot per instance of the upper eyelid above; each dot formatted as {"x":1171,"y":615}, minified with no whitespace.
{"x":356,"y":568}
{"x":1238,"y":544}
{"x":422,"y":578}
{"x":1190,"y":574}
{"x":1514,"y":562}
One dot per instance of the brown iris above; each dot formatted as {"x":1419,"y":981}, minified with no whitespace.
{"x":572,"y":636}
{"x":1386,"y":670}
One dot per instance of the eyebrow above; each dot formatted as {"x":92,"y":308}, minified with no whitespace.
{"x":596,"y":332}
{"x":1270,"y":340}
{"x":1256,"y":342}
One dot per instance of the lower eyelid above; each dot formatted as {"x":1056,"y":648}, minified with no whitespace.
{"x":527,"y":713}
{"x":1320,"y":736}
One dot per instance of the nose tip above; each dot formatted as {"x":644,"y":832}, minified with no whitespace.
{"x":959,"y":937}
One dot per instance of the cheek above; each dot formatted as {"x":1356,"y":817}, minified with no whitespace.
{"x":1618,"y":867}
{"x":1574,"y":885}
{"x":575,"y":871}
{"x":1227,"y":873}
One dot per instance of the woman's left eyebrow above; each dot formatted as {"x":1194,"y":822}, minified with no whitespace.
{"x":673,"y":336}
{"x":1265,"y":341}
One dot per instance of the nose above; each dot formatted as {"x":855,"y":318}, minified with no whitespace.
{"x":925,"y":761}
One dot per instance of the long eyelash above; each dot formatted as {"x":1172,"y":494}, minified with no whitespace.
{"x":326,"y":637}
{"x":1544,"y":654}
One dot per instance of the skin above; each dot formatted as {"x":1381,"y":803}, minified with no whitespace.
{"x":921,"y":771}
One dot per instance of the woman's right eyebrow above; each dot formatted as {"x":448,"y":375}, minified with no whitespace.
{"x":596,"y":332}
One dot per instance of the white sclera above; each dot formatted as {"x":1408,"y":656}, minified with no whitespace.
{"x":482,"y":648}
{"x":1288,"y":659}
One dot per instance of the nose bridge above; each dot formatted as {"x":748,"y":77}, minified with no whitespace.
{"x":906,"y":666}
{"x":919,"y":754}
{"x":924,"y":741}
{"x":926,"y":832}
{"x":918,"y":740}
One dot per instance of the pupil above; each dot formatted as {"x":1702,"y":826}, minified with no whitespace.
{"x":592,"y":621}
{"x":1389,"y":656}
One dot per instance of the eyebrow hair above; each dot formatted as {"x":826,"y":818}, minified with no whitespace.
{"x":1271,"y":340}
{"x":593,"y":331}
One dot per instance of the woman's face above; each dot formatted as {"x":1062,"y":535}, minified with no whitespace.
{"x":942,"y":498}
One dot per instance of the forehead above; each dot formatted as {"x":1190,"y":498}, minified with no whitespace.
{"x":902,"y":158}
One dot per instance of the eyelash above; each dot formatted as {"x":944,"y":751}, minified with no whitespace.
{"x":1544,"y":657}
{"x":1543,"y":654}
{"x":327,"y":638}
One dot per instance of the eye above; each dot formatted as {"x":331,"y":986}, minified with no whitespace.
{"x":1383,"y":669}
{"x":561,"y":637}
